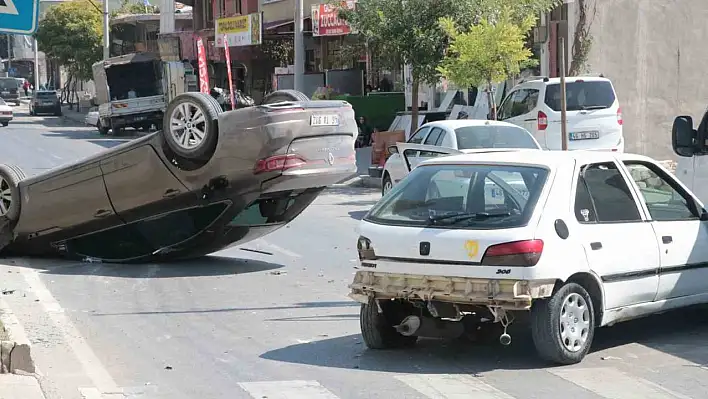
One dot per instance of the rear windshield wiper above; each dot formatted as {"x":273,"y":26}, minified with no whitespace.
{"x":460,"y":217}
{"x":591,"y":107}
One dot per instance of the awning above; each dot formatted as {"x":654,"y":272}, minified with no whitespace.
{"x":130,"y":58}
{"x":278,"y":24}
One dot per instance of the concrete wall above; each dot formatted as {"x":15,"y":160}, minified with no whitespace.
{"x":655,"y":52}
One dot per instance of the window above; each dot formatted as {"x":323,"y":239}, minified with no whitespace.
{"x":463,"y":196}
{"x":264,"y":211}
{"x":418,"y":136}
{"x":433,"y":136}
{"x":663,"y":201}
{"x":581,"y":95}
{"x":440,"y":139}
{"x":603,"y":195}
{"x":494,"y":136}
{"x":504,"y":110}
{"x":518,"y":103}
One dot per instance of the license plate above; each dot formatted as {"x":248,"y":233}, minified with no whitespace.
{"x":324,"y":120}
{"x":4,"y":93}
{"x":585,"y":135}
{"x":140,"y":118}
{"x":48,"y":103}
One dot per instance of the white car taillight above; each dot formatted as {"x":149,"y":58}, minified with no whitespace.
{"x":542,"y":122}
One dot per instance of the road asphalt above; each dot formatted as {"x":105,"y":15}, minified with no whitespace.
{"x":271,"y":319}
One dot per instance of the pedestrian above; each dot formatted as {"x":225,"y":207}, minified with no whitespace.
{"x":26,"y":86}
{"x":364,"y":132}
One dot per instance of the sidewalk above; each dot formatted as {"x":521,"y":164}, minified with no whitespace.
{"x":72,"y":115}
{"x":15,"y":386}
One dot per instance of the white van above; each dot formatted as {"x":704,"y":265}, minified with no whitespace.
{"x":593,"y":114}
{"x":691,"y":146}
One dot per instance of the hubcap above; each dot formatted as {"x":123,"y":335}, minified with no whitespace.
{"x":5,"y":196}
{"x":387,"y":187}
{"x":574,"y":322}
{"x":188,"y":125}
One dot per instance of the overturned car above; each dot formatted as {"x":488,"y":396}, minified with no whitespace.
{"x":208,"y":180}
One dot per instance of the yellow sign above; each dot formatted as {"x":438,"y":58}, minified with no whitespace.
{"x":242,"y":30}
{"x":472,"y":247}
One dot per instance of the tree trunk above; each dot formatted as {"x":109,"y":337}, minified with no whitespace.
{"x":492,"y":101}
{"x":414,"y":106}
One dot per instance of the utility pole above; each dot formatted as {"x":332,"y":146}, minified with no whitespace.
{"x":299,"y":44}
{"x":36,"y":65}
{"x":106,"y":30}
{"x":9,"y":53}
{"x":564,"y":127}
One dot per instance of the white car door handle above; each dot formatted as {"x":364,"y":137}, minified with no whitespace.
{"x":667,"y":239}
{"x":595,"y":246}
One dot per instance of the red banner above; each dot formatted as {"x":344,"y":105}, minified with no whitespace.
{"x":228,"y":70}
{"x":203,"y":73}
{"x":326,"y":22}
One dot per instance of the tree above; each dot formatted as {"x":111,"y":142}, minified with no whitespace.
{"x":131,"y":7}
{"x":493,"y":48}
{"x":410,"y":30}
{"x":71,"y":33}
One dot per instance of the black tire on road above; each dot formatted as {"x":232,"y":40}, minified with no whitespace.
{"x":101,"y":129}
{"x":5,"y":123}
{"x":378,"y":331}
{"x":195,"y":103}
{"x":285,"y":95}
{"x":546,"y":325}
{"x":10,"y":177}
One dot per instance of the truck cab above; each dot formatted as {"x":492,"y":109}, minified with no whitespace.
{"x":133,"y":90}
{"x":691,"y":146}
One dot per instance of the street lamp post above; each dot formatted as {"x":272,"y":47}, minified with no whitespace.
{"x":299,"y":44}
{"x":106,"y":39}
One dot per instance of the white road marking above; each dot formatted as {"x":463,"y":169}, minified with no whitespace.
{"x":287,"y":390}
{"x":92,"y":366}
{"x":56,"y":157}
{"x":611,"y":383}
{"x":449,"y":386}
{"x":281,"y":250}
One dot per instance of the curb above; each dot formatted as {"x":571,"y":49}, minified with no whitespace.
{"x":365,"y":181}
{"x":15,"y":351}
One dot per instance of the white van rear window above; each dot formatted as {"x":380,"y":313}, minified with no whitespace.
{"x":586,"y":95}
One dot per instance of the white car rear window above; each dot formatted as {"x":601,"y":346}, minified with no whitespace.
{"x":491,"y":136}
{"x":463,"y":196}
{"x":581,"y":95}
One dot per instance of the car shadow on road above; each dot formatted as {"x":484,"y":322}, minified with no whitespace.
{"x":200,"y":267}
{"x":296,"y":306}
{"x":352,"y":191}
{"x":680,"y":333}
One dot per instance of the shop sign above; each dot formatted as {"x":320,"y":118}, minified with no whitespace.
{"x":326,"y":21}
{"x":242,"y":30}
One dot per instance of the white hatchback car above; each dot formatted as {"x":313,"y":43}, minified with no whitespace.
{"x":452,"y":137}
{"x":568,"y":240}
{"x":594,"y":116}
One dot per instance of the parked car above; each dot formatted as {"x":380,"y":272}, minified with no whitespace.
{"x":10,"y":89}
{"x":92,"y":117}
{"x":594,"y":116}
{"x":209,"y":180}
{"x":6,"y":113}
{"x":453,"y":137}
{"x":45,"y":102}
{"x":598,"y":238}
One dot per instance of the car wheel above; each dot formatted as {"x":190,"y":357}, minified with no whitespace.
{"x":563,"y":325}
{"x":386,"y":184}
{"x":5,"y":123}
{"x":285,"y":95}
{"x":191,"y":125}
{"x":102,"y":130}
{"x":10,"y":177}
{"x":377,"y":329}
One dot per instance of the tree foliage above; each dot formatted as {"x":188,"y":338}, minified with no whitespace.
{"x":71,"y":33}
{"x":131,"y":7}
{"x":493,"y":48}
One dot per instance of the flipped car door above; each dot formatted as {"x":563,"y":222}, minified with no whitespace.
{"x":69,"y":202}
{"x":140,"y":185}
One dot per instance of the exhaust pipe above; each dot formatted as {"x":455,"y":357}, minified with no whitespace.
{"x":505,"y":339}
{"x":430,"y":327}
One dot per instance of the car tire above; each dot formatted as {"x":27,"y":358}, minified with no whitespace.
{"x":549,"y":335}
{"x":386,"y":184}
{"x":285,"y":95}
{"x":378,"y":331}
{"x":10,"y":177}
{"x":194,"y":104}
{"x":101,"y":129}
{"x":5,"y":123}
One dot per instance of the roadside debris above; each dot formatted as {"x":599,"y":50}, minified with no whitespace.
{"x":256,"y":251}
{"x":8,"y":292}
{"x":278,"y":272}
{"x":168,"y":367}
{"x":611,"y":358}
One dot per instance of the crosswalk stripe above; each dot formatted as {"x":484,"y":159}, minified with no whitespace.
{"x":295,"y":389}
{"x":448,"y":386}
{"x":611,"y":383}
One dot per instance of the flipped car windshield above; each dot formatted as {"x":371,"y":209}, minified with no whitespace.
{"x":491,"y":136}
{"x":462,"y":196}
